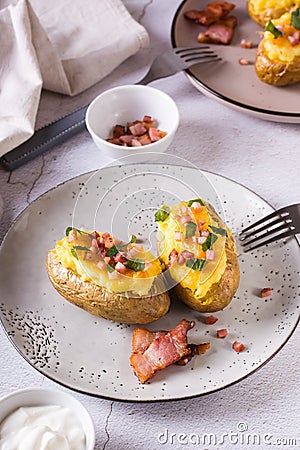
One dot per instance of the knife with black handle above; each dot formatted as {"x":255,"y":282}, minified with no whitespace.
{"x":45,"y":138}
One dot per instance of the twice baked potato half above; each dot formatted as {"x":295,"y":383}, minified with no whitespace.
{"x":278,"y":54}
{"x":108,"y":278}
{"x":200,"y":254}
{"x":261,"y":11}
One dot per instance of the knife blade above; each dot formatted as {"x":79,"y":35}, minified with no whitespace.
{"x":45,"y":138}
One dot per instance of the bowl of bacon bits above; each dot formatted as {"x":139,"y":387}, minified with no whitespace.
{"x":132,"y":119}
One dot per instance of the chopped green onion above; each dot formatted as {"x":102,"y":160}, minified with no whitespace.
{"x":135,"y":264}
{"x":73,"y":251}
{"x":162,"y":214}
{"x":211,"y":239}
{"x":198,"y":200}
{"x":273,"y":30}
{"x":295,"y":19}
{"x":113,"y":251}
{"x":110,"y":268}
{"x":217,"y":230}
{"x":190,"y":229}
{"x":80,"y":247}
{"x":72,"y":228}
{"x":196,"y":263}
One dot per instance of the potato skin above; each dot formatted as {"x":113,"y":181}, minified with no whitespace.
{"x":99,"y":301}
{"x":276,"y":73}
{"x":220,"y":294}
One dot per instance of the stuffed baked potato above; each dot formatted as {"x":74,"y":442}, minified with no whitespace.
{"x":278,"y":54}
{"x":108,"y":278}
{"x":261,"y":11}
{"x":199,"y":252}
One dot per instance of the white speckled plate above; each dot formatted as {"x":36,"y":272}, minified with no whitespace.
{"x":90,"y":354}
{"x":227,"y":81}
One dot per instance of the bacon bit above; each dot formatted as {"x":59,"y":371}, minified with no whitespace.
{"x":210,"y":255}
{"x":238,"y":346}
{"x":246,"y":44}
{"x":165,"y":349}
{"x":119,"y":267}
{"x":205,"y":233}
{"x":138,"y":133}
{"x":244,"y":62}
{"x":210,"y":320}
{"x":222,"y":333}
{"x":136,"y":143}
{"x":187,"y":255}
{"x":118,"y":131}
{"x":196,"y":206}
{"x":185,"y":219}
{"x":266,"y":292}
{"x":173,"y":257}
{"x":200,"y":224}
{"x":72,"y":236}
{"x":155,"y":134}
{"x":201,"y":239}
{"x":177,"y":235}
{"x":181,"y":260}
{"x":295,"y":38}
{"x":107,"y":259}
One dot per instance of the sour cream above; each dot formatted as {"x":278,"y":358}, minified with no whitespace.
{"x":50,"y":427}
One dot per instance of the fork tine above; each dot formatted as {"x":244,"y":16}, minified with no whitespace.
{"x":264,"y":219}
{"x":267,"y":233}
{"x":269,"y":241}
{"x":253,"y":231}
{"x":179,"y":50}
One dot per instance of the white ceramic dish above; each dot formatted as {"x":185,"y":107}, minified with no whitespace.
{"x":95,"y":360}
{"x":128,"y":103}
{"x":45,"y":397}
{"x":227,"y":81}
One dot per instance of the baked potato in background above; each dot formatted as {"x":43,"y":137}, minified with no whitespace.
{"x":261,"y":11}
{"x":200,"y":253}
{"x":278,"y":54}
{"x":90,"y":272}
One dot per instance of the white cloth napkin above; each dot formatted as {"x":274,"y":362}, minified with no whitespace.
{"x":64,"y":46}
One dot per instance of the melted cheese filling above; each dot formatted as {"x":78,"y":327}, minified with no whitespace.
{"x":139,"y":283}
{"x":281,"y":49}
{"x":199,"y":282}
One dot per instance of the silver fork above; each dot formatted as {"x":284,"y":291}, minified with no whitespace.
{"x":280,"y":224}
{"x":176,"y":59}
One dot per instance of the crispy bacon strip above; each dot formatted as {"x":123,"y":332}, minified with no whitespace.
{"x":154,"y":351}
{"x":220,"y":32}
{"x":213,"y":12}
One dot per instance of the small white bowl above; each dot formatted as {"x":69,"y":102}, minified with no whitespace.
{"x":46,"y":397}
{"x":124,"y":104}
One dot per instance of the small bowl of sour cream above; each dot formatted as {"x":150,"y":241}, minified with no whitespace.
{"x":44,"y":419}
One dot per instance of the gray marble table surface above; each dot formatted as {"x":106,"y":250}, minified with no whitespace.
{"x":263,"y":156}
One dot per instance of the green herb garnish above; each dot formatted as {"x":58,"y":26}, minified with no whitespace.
{"x":72,"y":228}
{"x":162,"y":214}
{"x":198,"y":200}
{"x":135,"y":264}
{"x":80,"y":247}
{"x":295,"y":19}
{"x":113,"y":251}
{"x":196,"y":263}
{"x":211,"y":239}
{"x":132,"y":240}
{"x":73,"y":251}
{"x":273,"y":30}
{"x":190,"y":229}
{"x":110,"y":268}
{"x":217,"y":230}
